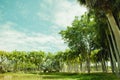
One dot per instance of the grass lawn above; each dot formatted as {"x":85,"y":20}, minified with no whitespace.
{"x":58,"y":76}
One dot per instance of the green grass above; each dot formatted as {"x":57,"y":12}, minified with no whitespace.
{"x":58,"y":76}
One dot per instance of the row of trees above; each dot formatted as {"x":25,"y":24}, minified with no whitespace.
{"x":39,"y":61}
{"x":20,"y":60}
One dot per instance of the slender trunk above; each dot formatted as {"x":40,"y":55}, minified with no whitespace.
{"x":114,"y":62}
{"x":115,"y":49}
{"x":110,"y":57}
{"x":81,"y":64}
{"x":72,"y":67}
{"x":81,"y":67}
{"x":103,"y":65}
{"x":112,"y":65}
{"x":69,"y":67}
{"x":88,"y":63}
{"x":113,"y":57}
{"x":65,"y":67}
{"x":96,"y":66}
{"x":75,"y":67}
{"x":107,"y":67}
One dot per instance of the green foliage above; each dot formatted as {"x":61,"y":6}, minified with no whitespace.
{"x":94,"y":55}
{"x":36,"y":57}
{"x":21,"y":60}
{"x":51,"y":64}
{"x":80,"y":35}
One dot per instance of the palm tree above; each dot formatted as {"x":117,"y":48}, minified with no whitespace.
{"x":107,"y":7}
{"x":111,"y":9}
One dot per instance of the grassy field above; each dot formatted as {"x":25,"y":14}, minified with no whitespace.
{"x":58,"y":76}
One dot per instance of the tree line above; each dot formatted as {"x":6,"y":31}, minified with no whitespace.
{"x":39,"y":61}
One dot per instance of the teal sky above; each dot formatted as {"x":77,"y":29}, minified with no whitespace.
{"x":34,"y":24}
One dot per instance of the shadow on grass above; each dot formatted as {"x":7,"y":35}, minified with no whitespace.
{"x":76,"y":76}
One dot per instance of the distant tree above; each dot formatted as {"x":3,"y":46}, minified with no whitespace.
{"x":36,"y":58}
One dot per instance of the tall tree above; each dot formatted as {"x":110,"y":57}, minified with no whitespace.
{"x":80,"y":36}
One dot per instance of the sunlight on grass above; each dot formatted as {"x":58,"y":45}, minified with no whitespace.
{"x":58,"y":76}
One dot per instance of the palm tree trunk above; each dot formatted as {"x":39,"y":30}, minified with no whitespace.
{"x":114,"y":28}
{"x":112,"y":64}
{"x":115,"y":48}
{"x":113,"y":57}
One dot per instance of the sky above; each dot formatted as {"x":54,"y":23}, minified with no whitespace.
{"x":35,"y":24}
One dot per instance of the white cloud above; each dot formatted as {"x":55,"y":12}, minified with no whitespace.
{"x":10,"y":39}
{"x":63,"y":12}
{"x":66,"y":15}
{"x":7,"y":25}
